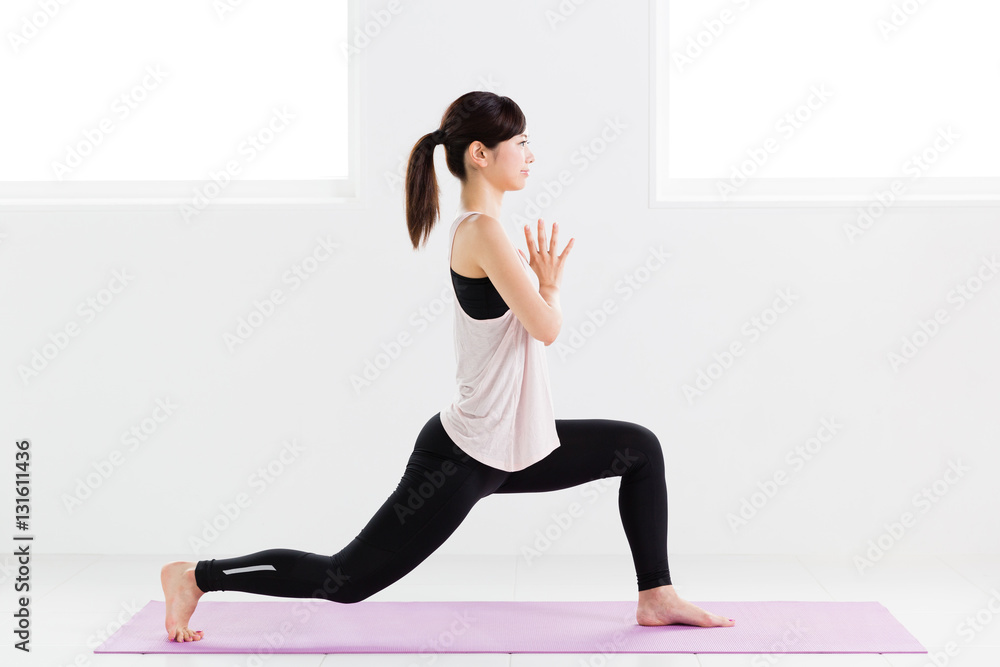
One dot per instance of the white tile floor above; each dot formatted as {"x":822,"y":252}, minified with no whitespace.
{"x":78,"y":599}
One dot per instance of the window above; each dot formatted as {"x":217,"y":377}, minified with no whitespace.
{"x":184,"y":104}
{"x":790,"y":102}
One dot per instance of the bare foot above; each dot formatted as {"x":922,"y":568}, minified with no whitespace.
{"x":182,"y":595}
{"x":662,"y":606}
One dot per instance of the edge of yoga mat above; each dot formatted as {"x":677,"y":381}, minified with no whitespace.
{"x":144,"y":632}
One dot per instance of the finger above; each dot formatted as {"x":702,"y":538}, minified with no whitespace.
{"x":527,"y":236}
{"x":568,"y":246}
{"x":555,"y":235}
{"x":541,"y":235}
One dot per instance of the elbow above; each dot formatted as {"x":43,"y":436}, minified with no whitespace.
{"x":547,"y":336}
{"x":545,"y":329}
{"x":550,"y":334}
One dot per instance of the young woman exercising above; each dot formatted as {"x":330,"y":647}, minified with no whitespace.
{"x":499,"y":434}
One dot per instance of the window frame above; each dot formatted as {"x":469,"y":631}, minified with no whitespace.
{"x":805,"y":192}
{"x":238,"y":194}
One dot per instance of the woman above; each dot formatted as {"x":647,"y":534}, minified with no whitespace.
{"x":499,"y":434}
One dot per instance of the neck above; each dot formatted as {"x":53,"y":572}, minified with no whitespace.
{"x":481,"y":196}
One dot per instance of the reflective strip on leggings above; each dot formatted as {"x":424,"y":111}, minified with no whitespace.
{"x":252,"y":568}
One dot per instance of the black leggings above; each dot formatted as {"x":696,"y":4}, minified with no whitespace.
{"x":439,"y":486}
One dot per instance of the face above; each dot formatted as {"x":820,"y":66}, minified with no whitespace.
{"x":508,"y":170}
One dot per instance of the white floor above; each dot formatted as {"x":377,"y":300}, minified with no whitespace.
{"x":78,"y":599}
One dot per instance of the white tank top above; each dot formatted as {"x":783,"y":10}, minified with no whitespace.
{"x":502,"y":414}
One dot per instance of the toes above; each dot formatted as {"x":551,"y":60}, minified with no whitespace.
{"x":184,"y":635}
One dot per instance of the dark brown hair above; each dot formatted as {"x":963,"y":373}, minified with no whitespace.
{"x":476,"y":116}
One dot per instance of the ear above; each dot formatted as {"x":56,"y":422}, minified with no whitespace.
{"x":478,"y":154}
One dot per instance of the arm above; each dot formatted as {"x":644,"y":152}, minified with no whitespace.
{"x":538,"y":310}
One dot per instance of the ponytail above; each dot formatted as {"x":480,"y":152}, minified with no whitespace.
{"x":422,"y":205}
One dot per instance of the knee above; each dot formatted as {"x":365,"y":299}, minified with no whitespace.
{"x":644,"y":443}
{"x":348,"y":596}
{"x":339,"y":587}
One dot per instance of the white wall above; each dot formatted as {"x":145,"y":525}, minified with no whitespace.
{"x":161,"y":338}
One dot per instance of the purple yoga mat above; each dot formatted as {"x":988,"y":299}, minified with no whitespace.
{"x":319,"y":626}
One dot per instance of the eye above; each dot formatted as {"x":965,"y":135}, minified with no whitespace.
{"x":525,"y":142}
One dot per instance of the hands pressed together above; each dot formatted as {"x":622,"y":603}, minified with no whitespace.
{"x":543,"y":260}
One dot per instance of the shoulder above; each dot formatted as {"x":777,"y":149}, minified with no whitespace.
{"x":483,"y":227}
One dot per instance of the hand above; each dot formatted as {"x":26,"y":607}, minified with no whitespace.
{"x":543,"y":261}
